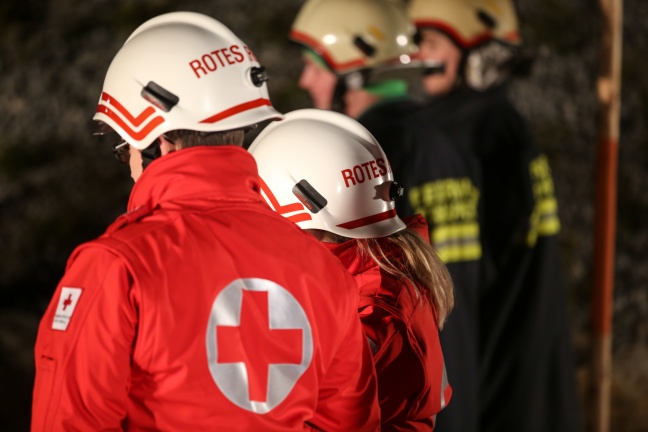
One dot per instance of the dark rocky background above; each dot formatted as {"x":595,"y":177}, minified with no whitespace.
{"x":60,"y":186}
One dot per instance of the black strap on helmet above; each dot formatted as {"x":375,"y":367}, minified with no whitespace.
{"x":159,"y":96}
{"x":150,"y":153}
{"x":351,"y":81}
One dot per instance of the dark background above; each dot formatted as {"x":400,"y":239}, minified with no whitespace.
{"x":60,"y":186}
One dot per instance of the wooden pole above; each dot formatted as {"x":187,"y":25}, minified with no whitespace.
{"x":609,"y":95}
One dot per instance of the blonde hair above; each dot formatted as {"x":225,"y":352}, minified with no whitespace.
{"x":422,"y":268}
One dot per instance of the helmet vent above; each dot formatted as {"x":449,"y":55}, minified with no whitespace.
{"x":259,"y":76}
{"x":159,"y":96}
{"x":364,"y":46}
{"x":307,"y":194}
{"x":487,"y":19}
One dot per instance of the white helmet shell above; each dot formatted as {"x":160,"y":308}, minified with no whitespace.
{"x":323,"y":170}
{"x":356,"y":34}
{"x":470,"y":23}
{"x":183,"y":70}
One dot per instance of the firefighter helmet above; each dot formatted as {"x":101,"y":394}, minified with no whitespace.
{"x":469,"y":23}
{"x":485,"y":30}
{"x":351,"y":35}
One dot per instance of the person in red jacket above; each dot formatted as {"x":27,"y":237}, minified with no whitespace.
{"x":200,"y":308}
{"x":327,"y":173}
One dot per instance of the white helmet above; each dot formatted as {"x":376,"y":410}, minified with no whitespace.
{"x":350,"y":36}
{"x":323,"y":170}
{"x":486,"y":30}
{"x":183,"y":70}
{"x":470,"y":23}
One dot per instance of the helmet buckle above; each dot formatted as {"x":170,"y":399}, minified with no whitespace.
{"x":259,"y":75}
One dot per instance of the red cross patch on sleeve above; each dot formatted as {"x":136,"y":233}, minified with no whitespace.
{"x":65,"y":308}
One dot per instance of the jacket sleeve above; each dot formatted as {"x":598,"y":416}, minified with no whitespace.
{"x":412,"y":387}
{"x":348,"y":399}
{"x":83,"y":348}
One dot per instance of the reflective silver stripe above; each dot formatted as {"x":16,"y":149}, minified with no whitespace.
{"x":373,"y":346}
{"x":444,"y":384}
{"x":285,"y":313}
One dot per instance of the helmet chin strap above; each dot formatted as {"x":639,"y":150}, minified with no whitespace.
{"x":337,"y":102}
{"x":352,"y":81}
{"x":150,"y":153}
{"x":434,"y":70}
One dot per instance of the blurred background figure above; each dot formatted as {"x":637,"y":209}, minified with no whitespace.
{"x":358,"y":56}
{"x":328,"y":174}
{"x":527,"y":379}
{"x":354,"y":55}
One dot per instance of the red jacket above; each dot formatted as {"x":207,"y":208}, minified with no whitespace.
{"x":403,"y":333}
{"x":202,"y":309}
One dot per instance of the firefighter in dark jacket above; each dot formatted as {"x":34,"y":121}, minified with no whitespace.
{"x":526,"y":372}
{"x":358,"y":56}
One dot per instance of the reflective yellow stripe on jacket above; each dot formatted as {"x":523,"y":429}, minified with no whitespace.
{"x":544,"y":220}
{"x":450,"y":207}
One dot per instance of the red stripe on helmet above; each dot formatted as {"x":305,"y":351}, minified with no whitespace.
{"x":320,"y":50}
{"x":300,"y":217}
{"x":155,"y":122}
{"x":237,"y":109}
{"x":369,"y":220}
{"x":135,"y":121}
{"x":450,"y":31}
{"x":281,"y":209}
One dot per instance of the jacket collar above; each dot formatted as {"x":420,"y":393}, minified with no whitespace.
{"x":204,"y":172}
{"x":349,"y":254}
